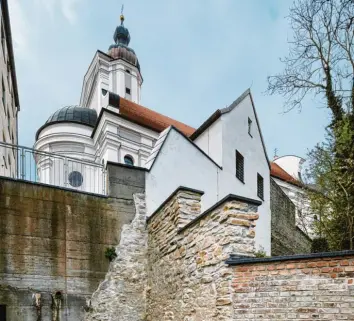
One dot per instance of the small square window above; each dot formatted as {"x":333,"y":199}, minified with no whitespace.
{"x":127,"y":91}
{"x":239,"y":166}
{"x":250,"y":126}
{"x":260,"y":187}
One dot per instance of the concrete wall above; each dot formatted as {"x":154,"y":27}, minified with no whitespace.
{"x":54,"y":240}
{"x":125,"y":181}
{"x":287,"y":238}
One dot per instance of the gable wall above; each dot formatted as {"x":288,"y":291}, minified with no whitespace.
{"x":180,"y":163}
{"x":235,"y":137}
{"x":210,"y":141}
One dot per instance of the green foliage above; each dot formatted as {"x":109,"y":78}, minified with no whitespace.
{"x":331,"y":170}
{"x":320,"y":63}
{"x":260,"y":254}
{"x":319,"y":244}
{"x":110,"y":253}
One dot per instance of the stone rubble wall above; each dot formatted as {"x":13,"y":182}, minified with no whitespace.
{"x":306,"y":289}
{"x":188,"y":279}
{"x":287,"y":238}
{"x":121,"y":296}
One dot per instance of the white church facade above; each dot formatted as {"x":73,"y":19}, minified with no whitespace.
{"x":225,"y":155}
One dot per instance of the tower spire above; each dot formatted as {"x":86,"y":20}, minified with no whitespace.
{"x":122,"y":15}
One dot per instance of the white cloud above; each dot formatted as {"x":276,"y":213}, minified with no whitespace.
{"x":68,"y":8}
{"x":20,"y":29}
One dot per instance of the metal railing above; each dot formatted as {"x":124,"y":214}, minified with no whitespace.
{"x":28,"y":164}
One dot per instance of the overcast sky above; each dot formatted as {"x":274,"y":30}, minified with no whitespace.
{"x":195,"y":56}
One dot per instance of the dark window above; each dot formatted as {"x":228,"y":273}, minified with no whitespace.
{"x":5,"y":165}
{"x":3,"y":94}
{"x":3,"y":44}
{"x":250,"y":127}
{"x":128,"y":160}
{"x":260,"y":186}
{"x":127,"y":70}
{"x":75,"y":179}
{"x":2,"y":312}
{"x":240,"y":167}
{"x":8,"y":120}
{"x":127,"y":91}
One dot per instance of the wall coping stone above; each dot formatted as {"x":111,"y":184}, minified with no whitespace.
{"x":230,"y":197}
{"x":65,"y":189}
{"x":238,"y":260}
{"x":180,"y":188}
{"x":126,"y":166}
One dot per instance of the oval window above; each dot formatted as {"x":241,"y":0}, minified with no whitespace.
{"x":75,"y":179}
{"x":128,"y":160}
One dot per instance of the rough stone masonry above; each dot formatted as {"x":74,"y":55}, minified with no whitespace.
{"x":121,"y":296}
{"x":188,"y":278}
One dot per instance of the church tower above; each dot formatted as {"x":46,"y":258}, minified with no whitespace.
{"x":126,"y":76}
{"x":117,"y":71}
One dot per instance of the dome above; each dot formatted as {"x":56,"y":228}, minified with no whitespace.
{"x":71,"y":114}
{"x":121,"y":35}
{"x":120,"y":49}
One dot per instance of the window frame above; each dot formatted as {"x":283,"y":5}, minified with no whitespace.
{"x":250,"y":126}
{"x":260,"y":182}
{"x":240,"y":173}
{"x":131,"y":159}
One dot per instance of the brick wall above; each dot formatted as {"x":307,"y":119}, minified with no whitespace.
{"x":187,"y":275}
{"x":286,"y":237}
{"x":53,"y":240}
{"x":308,"y":288}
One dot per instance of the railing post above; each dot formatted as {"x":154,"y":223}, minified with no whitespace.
{"x":23,"y":163}
{"x":65,"y":172}
{"x":104,"y":180}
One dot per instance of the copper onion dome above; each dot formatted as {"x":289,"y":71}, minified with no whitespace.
{"x":120,"y":49}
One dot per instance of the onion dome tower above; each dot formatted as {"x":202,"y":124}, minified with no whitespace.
{"x":120,"y":49}
{"x":129,"y":79}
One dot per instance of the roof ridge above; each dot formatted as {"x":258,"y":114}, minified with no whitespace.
{"x":236,"y":102}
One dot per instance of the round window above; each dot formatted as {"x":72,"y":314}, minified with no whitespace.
{"x":128,"y":160}
{"x":75,"y":179}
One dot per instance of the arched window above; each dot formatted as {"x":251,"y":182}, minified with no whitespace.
{"x":128,"y":160}
{"x":75,"y":179}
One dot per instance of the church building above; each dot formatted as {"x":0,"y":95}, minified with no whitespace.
{"x":225,"y":155}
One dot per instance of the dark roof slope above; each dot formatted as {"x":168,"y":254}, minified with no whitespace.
{"x":71,"y":114}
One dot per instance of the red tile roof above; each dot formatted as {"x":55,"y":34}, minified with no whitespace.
{"x":158,"y":122}
{"x":149,"y":118}
{"x":278,"y":172}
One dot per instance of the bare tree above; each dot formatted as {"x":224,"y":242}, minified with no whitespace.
{"x":321,"y":59}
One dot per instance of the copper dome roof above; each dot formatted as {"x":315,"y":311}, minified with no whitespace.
{"x":120,"y":49}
